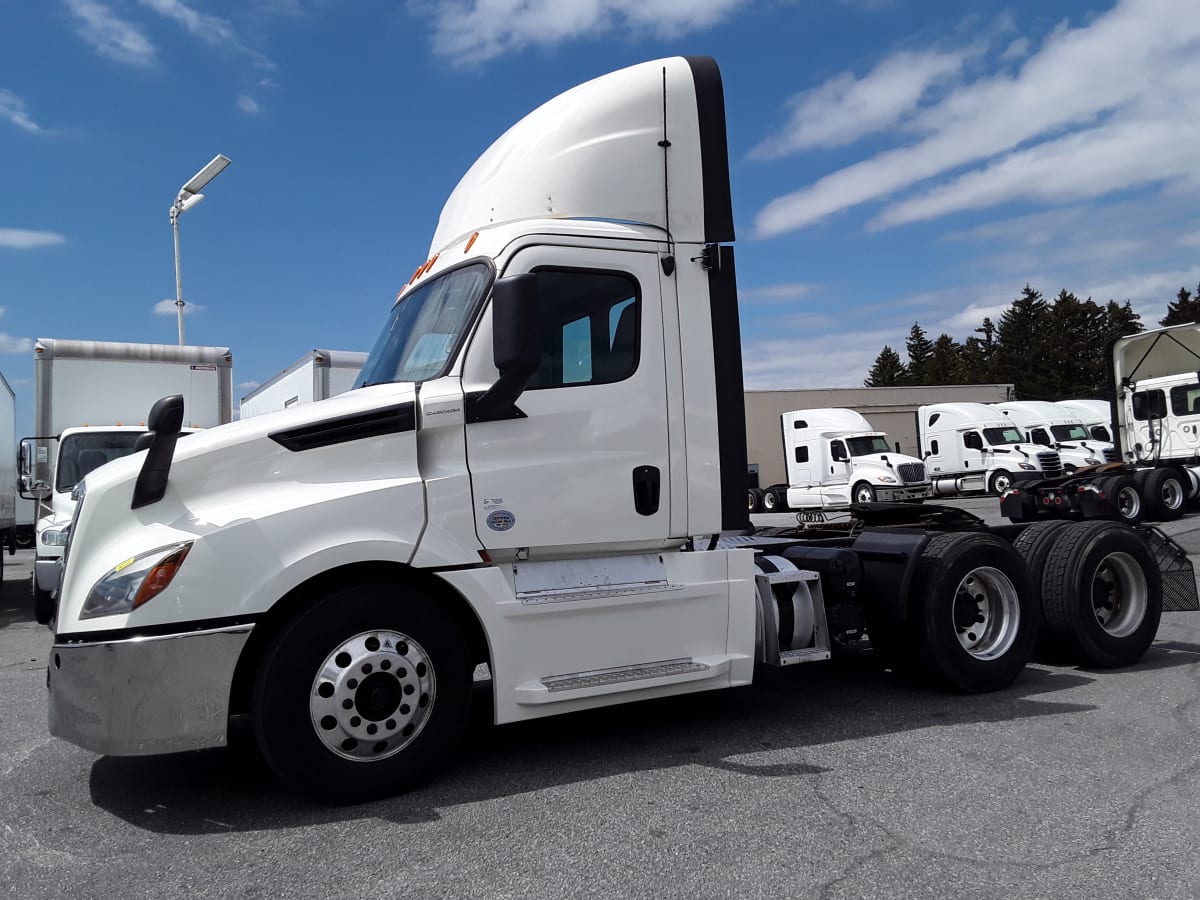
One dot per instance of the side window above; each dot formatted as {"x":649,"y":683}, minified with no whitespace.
{"x":1100,"y":433}
{"x":1039,"y":436}
{"x":972,"y":440}
{"x":837,"y":450}
{"x":590,"y":327}
{"x":1185,"y":399}
{"x":1149,"y":405}
{"x":933,"y":448}
{"x":802,"y":454}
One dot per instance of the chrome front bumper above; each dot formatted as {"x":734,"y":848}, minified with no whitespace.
{"x":145,"y":695}
{"x":915,"y":492}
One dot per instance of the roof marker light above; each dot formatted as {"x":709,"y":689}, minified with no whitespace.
{"x":470,"y":242}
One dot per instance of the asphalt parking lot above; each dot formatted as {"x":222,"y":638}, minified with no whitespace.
{"x":817,"y":781}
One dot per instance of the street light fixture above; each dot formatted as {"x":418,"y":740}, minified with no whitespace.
{"x":189,"y":196}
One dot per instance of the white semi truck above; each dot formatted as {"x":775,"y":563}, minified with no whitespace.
{"x":834,"y":458}
{"x":317,"y":375}
{"x":8,"y":471}
{"x":972,"y":447}
{"x":1096,"y":416}
{"x":1049,"y":425}
{"x":91,"y":399}
{"x":543,"y":470}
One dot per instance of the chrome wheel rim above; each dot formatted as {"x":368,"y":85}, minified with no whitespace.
{"x":1001,"y":483}
{"x":372,"y":695}
{"x":1172,"y":494}
{"x":986,"y":613}
{"x":1129,"y":502}
{"x":1120,"y":595}
{"x":752,"y":504}
{"x":864,"y":495}
{"x":769,"y":501}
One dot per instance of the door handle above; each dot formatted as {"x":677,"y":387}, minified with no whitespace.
{"x":646,"y":482}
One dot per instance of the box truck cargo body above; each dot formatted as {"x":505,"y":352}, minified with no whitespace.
{"x":91,"y":400}
{"x":317,"y":375}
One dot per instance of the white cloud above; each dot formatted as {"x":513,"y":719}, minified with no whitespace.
{"x":473,"y":31}
{"x":1069,"y":90}
{"x":248,"y":385}
{"x":110,"y":35}
{"x":10,"y":344}
{"x":12,"y":108}
{"x":213,"y":30}
{"x":1016,"y":50}
{"x":846,"y":108}
{"x":167,"y":308}
{"x":24,"y":239}
{"x":248,"y":105}
{"x":1191,"y":239}
{"x":775,"y":293}
{"x":841,"y":360}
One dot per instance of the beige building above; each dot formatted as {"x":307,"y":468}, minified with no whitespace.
{"x":889,"y":409}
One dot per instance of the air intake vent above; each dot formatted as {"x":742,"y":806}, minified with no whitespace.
{"x":1110,"y":454}
{"x":1051,"y":463}
{"x":911,"y":473}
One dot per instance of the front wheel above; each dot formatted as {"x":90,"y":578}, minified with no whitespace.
{"x":863,"y":493}
{"x":363,"y":695}
{"x":977,"y":611}
{"x":1000,"y":482}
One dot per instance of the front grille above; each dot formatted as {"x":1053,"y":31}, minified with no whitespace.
{"x":1050,"y":462}
{"x":1110,"y":455}
{"x":911,"y":473}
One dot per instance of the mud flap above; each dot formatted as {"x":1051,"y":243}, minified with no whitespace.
{"x":1178,"y":574}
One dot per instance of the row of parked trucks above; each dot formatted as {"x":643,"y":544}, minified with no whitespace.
{"x":542,"y":469}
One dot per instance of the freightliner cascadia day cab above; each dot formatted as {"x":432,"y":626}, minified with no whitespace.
{"x":1049,"y":425}
{"x":834,"y":457}
{"x":317,"y":375}
{"x":91,"y":399}
{"x":542,"y":469}
{"x":972,"y":447}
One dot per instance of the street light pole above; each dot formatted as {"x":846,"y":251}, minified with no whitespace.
{"x":189,"y":196}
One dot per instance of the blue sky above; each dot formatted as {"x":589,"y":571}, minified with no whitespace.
{"x":892,"y":160}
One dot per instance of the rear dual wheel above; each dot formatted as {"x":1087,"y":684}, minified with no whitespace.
{"x":363,"y":695}
{"x":1165,"y":491}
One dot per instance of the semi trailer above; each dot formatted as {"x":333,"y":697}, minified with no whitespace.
{"x":90,"y":404}
{"x":317,"y":375}
{"x":542,"y":468}
{"x":833,"y":458}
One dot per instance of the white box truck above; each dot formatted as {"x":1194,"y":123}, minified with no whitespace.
{"x":1049,"y":425}
{"x":317,"y":375}
{"x":8,"y":471}
{"x":91,"y":399}
{"x":834,"y":458}
{"x":972,"y":447}
{"x":543,"y":471}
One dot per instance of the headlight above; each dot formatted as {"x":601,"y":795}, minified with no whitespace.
{"x":133,"y":582}
{"x":1028,"y":467}
{"x":1092,"y":461}
{"x":55,"y":537}
{"x":887,"y":479}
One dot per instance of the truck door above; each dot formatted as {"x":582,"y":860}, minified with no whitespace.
{"x":1184,"y":421}
{"x":587,"y":462}
{"x":974,"y":459}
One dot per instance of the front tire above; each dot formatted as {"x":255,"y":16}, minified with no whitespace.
{"x":1000,"y":482}
{"x":863,"y":493}
{"x":363,"y":695}
{"x":976,"y":608}
{"x":1102,"y":593}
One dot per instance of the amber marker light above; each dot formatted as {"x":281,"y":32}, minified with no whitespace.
{"x":470,"y":242}
{"x":160,"y":576}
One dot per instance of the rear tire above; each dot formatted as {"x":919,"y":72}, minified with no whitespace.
{"x":1165,"y":491}
{"x":1034,"y":544}
{"x":1126,"y":498}
{"x":363,"y":695}
{"x":755,"y":499}
{"x":976,"y":611}
{"x":1102,"y":593}
{"x":43,"y":604}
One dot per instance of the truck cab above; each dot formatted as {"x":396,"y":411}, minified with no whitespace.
{"x":1048,"y":425}
{"x":834,"y":458}
{"x":970,"y":447}
{"x":1096,"y":416}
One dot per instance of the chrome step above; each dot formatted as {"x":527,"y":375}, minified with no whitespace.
{"x":808,"y":654}
{"x":592,"y":592}
{"x":619,"y":674}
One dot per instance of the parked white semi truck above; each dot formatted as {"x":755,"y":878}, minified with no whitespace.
{"x":1049,"y":425}
{"x":972,"y":447}
{"x":834,"y":457}
{"x":542,"y":470}
{"x":317,"y":375}
{"x":90,"y":404}
{"x":8,"y":471}
{"x":1096,"y":416}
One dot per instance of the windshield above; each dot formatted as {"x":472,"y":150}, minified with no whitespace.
{"x":996,"y":436}
{"x":861,"y":446}
{"x":1069,"y":432}
{"x":84,"y":452}
{"x":425,"y":328}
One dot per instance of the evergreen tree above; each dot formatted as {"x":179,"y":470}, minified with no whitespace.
{"x":1074,"y":364}
{"x":945,"y":364}
{"x":1185,"y":308}
{"x":976,"y":355}
{"x":920,"y":351}
{"x":1023,"y":339}
{"x":887,"y":371}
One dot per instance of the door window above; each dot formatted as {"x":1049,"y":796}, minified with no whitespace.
{"x":1185,"y":399}
{"x":1039,"y":436}
{"x":589,"y":328}
{"x":1149,"y":405}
